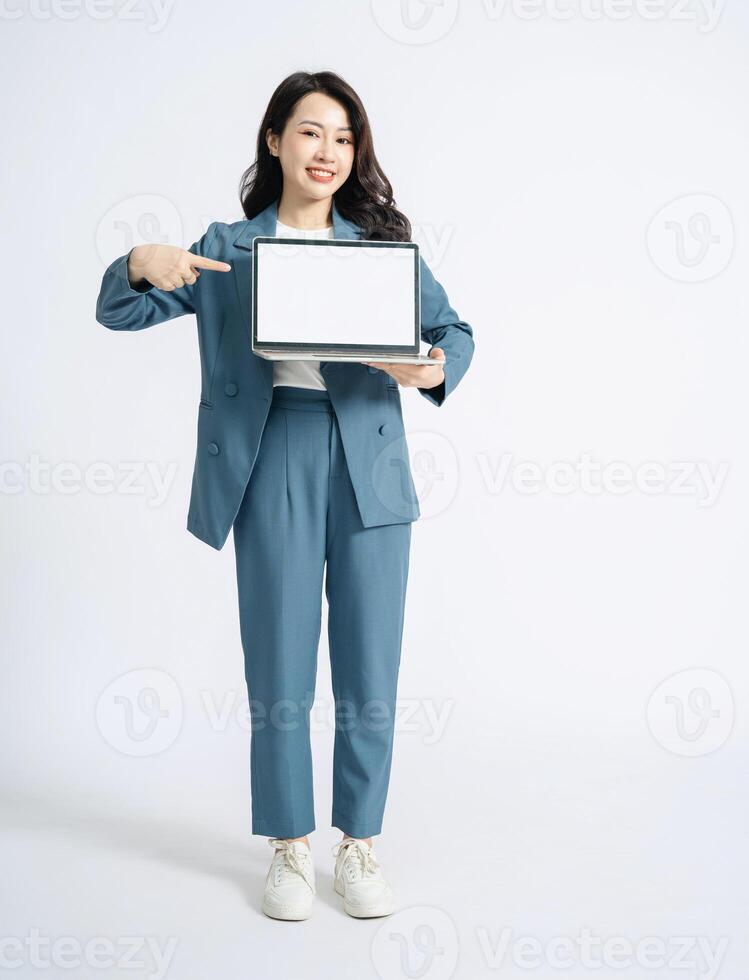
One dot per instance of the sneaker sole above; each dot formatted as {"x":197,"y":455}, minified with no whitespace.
{"x":288,"y":914}
{"x":365,"y":911}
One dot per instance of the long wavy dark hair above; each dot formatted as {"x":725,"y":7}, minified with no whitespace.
{"x":366,"y":198}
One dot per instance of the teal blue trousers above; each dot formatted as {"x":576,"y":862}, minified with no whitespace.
{"x":298,"y":522}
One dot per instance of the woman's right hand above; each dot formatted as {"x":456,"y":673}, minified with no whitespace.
{"x":168,"y":267}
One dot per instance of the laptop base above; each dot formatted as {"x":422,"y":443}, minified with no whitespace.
{"x":327,"y":355}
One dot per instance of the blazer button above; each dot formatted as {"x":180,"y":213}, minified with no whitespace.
{"x":372,"y":370}
{"x":231,"y":389}
{"x":384,"y":428}
{"x":213,"y":449}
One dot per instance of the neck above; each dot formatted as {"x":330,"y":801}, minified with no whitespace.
{"x":307,"y":214}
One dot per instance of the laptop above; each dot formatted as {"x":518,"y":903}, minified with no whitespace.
{"x":335,"y":299}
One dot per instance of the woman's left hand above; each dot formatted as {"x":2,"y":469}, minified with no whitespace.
{"x":414,"y":375}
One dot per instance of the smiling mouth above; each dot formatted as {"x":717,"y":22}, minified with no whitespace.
{"x":319,"y":172}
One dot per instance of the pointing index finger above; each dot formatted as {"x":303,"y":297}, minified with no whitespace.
{"x":200,"y":262}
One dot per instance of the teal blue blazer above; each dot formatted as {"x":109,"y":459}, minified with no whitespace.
{"x":237,"y":385}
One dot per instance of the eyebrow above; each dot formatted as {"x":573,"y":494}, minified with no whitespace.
{"x":344,"y":129}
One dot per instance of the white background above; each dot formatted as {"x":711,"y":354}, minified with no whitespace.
{"x":585,"y":649}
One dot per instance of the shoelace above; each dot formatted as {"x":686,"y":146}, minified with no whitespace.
{"x":291,"y":858}
{"x":359,"y":854}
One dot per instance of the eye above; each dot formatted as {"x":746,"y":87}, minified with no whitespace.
{"x":312,"y":132}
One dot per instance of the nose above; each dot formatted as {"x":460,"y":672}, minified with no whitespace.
{"x":325,"y":152}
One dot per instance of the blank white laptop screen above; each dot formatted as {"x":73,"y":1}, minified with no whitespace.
{"x":324,"y":293}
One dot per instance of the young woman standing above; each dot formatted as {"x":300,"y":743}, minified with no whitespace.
{"x":289,"y":455}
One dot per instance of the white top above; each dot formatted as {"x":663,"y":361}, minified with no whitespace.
{"x":300,"y":374}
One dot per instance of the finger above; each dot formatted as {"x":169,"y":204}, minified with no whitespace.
{"x":174,"y":276}
{"x":198,"y":261}
{"x":189,"y":278}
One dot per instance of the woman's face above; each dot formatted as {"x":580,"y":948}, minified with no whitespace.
{"x":317,"y":136}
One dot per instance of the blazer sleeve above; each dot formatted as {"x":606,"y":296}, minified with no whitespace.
{"x":441,"y":327}
{"x":121,"y":306}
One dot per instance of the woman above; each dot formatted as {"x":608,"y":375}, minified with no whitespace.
{"x":289,"y":455}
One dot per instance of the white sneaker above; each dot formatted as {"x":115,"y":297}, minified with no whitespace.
{"x":360,"y":881}
{"x":290,"y":882}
